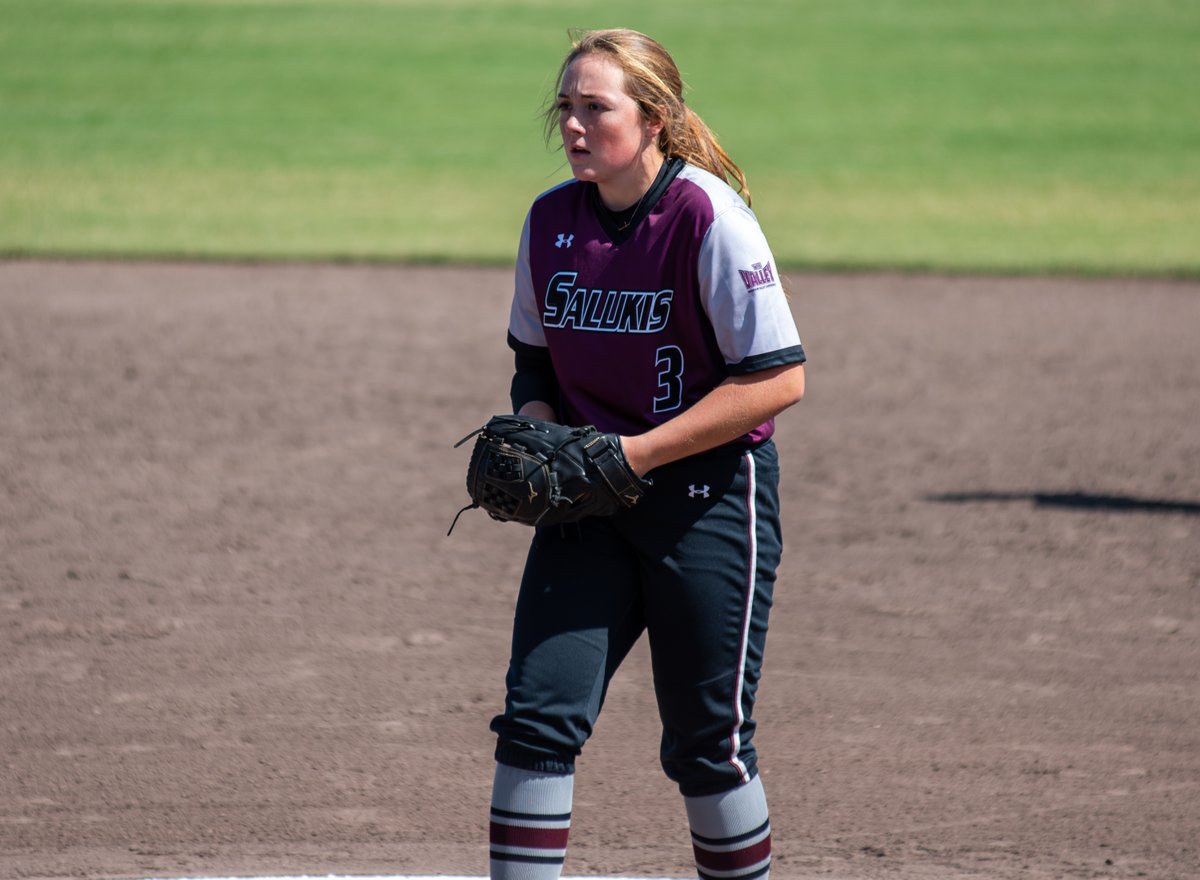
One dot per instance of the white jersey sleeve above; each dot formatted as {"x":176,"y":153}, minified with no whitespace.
{"x":524,"y":321}
{"x":742,"y":294}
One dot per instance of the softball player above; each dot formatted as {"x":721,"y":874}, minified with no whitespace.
{"x":647,"y":303}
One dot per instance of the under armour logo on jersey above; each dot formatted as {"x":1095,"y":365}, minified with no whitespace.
{"x":564,"y":240}
{"x":701,"y":492}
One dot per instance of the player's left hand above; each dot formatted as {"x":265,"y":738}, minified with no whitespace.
{"x":541,"y":473}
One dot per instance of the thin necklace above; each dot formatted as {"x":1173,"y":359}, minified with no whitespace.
{"x":633,"y":214}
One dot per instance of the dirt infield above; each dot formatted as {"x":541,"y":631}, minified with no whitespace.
{"x":235,"y":639}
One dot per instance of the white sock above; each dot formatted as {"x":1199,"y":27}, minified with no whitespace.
{"x":731,"y":834}
{"x":531,"y":815}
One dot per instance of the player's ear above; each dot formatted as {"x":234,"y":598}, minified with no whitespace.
{"x":653,"y":128}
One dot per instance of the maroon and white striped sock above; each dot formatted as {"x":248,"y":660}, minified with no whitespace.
{"x":531,"y":815}
{"x":731,"y":833}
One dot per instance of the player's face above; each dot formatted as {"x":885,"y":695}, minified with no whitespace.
{"x":605,"y":136}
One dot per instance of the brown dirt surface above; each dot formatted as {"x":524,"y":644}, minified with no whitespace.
{"x":235,"y":638}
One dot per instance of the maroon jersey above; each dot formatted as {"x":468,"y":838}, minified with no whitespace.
{"x":641,"y":323}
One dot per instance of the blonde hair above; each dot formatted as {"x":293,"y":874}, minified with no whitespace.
{"x":653,"y":81}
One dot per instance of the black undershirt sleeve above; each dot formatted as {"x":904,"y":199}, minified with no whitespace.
{"x":767,"y":360}
{"x":534,"y":378}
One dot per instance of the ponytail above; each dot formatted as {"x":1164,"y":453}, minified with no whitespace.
{"x":699,"y":146}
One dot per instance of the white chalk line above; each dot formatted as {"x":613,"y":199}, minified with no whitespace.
{"x":387,"y":877}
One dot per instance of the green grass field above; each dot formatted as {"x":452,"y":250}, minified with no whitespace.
{"x":957,"y":135}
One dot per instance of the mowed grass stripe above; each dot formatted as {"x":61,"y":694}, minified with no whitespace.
{"x":936,"y":134}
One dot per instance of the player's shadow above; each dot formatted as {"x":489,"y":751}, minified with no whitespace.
{"x":1074,"y":501}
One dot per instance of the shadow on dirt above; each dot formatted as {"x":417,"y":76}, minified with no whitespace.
{"x":1074,"y":501}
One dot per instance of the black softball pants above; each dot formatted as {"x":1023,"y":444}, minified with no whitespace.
{"x":693,"y":566}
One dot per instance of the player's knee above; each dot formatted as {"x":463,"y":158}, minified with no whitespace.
{"x":538,"y":744}
{"x":698,"y":775}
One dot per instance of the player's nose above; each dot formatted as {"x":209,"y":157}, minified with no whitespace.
{"x":572,"y":125}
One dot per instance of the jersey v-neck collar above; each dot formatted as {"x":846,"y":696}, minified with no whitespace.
{"x":612,"y":221}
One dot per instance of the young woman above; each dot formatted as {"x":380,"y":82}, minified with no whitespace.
{"x":647,"y":303}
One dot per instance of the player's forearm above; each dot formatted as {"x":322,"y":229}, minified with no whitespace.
{"x":733,"y":408}
{"x":538,"y":409}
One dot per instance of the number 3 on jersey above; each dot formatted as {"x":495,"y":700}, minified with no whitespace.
{"x":669,"y":360}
